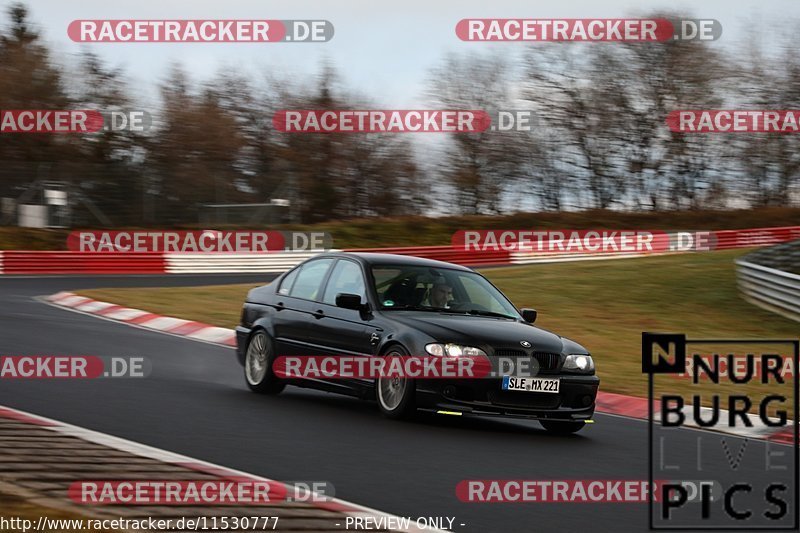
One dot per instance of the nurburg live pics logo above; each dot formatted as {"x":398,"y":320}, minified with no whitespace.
{"x":759,"y":479}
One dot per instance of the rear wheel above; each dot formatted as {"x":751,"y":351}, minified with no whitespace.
{"x":559,"y":427}
{"x":258,"y":365}
{"x":396,"y":395}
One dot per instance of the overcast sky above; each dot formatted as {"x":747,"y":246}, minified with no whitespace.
{"x":382,"y":49}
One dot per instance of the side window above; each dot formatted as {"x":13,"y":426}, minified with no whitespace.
{"x":286,"y":284}
{"x":309,"y":279}
{"x":346,"y":277}
{"x":384,"y":276}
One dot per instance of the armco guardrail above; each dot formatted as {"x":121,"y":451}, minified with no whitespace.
{"x":784,"y":257}
{"x":43,"y":263}
{"x":770,"y":289}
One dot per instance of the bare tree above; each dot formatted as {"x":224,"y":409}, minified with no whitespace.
{"x":480,"y":167}
{"x":768,"y":163}
{"x":608,"y":106}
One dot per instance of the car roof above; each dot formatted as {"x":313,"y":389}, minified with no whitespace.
{"x":371,"y":258}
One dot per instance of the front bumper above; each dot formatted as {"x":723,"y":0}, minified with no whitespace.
{"x":575,"y":400}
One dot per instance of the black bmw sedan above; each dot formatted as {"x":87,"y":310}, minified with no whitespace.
{"x":383,"y":305}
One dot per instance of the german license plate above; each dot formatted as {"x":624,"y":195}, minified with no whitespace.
{"x":531,"y":384}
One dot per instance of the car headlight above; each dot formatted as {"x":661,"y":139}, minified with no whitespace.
{"x":453,"y":350}
{"x":579,"y":363}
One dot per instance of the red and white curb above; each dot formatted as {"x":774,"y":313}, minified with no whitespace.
{"x":145,"y":319}
{"x":167,"y":457}
{"x":607,"y":402}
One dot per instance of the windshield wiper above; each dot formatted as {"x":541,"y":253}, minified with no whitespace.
{"x":473,"y":312}
{"x":412,"y":308}
{"x":478,"y":312}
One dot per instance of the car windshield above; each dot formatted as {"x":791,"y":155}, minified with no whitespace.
{"x":439,"y":289}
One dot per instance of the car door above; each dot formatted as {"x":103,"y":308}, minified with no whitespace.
{"x":295,"y":302}
{"x":283,"y":318}
{"x":338,"y":331}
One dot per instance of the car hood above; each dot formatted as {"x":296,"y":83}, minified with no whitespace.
{"x":481,"y":331}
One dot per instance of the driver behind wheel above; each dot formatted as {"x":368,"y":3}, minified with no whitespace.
{"x":439,"y":295}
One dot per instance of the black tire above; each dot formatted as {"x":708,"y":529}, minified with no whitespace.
{"x":258,"y":361}
{"x":398,"y":406}
{"x":558,"y":427}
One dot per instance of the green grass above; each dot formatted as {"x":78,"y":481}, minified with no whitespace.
{"x":604,"y":305}
{"x":607,"y":305}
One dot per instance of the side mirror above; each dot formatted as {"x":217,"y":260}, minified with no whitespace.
{"x":349,"y":301}
{"x":529,"y":315}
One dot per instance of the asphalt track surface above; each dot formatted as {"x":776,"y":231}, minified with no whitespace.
{"x":196,"y":403}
